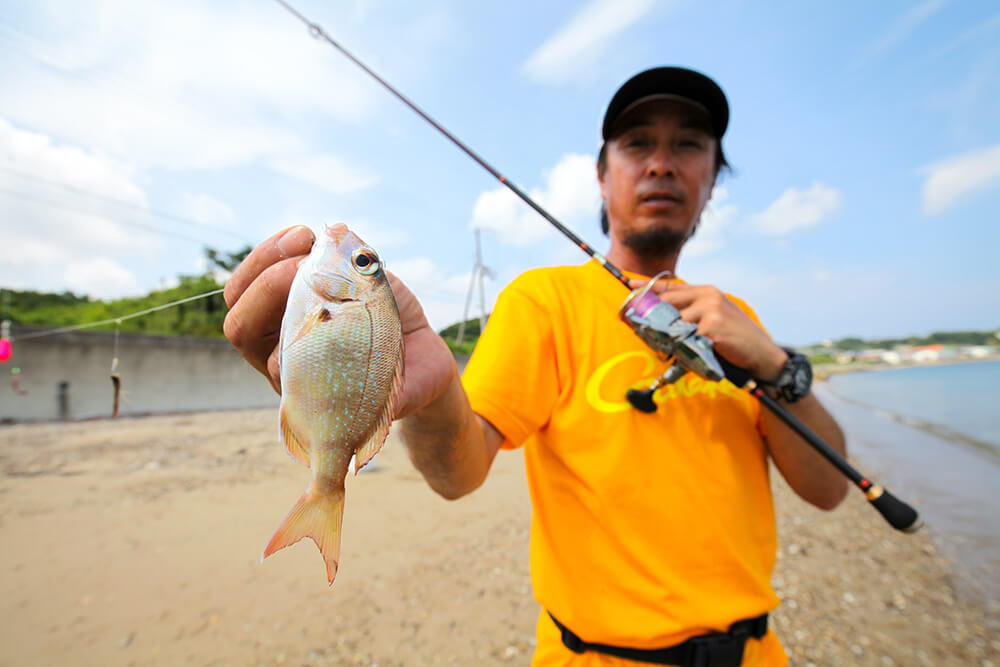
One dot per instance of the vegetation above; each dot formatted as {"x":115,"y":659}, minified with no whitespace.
{"x":198,"y":318}
{"x":203,"y":317}
{"x":469,"y":338}
{"x":938,"y":337}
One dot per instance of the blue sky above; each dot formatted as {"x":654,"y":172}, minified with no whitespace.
{"x":863,"y":135}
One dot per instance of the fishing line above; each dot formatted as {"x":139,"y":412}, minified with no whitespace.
{"x":76,"y":327}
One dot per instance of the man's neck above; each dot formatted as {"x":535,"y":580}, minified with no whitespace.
{"x":627,"y":260}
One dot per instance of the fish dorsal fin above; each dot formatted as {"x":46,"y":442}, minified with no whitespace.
{"x":316,"y":316}
{"x":290,"y":440}
{"x":370,"y":448}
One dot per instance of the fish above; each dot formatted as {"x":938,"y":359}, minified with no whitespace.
{"x":116,"y":382}
{"x":340,"y":361}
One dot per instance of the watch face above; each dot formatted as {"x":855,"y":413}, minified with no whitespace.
{"x":802,"y":376}
{"x":797,"y":379}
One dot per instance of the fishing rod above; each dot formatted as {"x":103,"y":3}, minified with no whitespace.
{"x":660,"y":325}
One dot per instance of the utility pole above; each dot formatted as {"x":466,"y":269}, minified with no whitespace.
{"x":479,"y":274}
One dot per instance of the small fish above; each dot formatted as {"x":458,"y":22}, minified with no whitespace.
{"x":116,"y":382}
{"x":341,"y":365}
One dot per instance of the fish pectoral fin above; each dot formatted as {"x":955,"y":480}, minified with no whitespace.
{"x":291,"y":441}
{"x":315,"y":316}
{"x":374,"y":444}
{"x":317,"y":516}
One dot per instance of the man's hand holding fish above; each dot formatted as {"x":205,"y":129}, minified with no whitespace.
{"x":319,"y":318}
{"x":257,"y":293}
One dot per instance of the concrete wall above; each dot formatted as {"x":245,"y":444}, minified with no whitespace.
{"x":159,"y":374}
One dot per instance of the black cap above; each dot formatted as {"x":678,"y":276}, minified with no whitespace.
{"x":669,"y":82}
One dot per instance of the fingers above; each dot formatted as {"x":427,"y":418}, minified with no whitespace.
{"x":291,"y":242}
{"x":679,"y":295}
{"x":253,"y":324}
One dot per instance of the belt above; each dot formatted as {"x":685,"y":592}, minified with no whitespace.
{"x":712,"y":650}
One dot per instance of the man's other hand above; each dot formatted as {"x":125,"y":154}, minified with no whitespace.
{"x":734,"y":335}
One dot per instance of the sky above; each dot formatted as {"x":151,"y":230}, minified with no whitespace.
{"x":863,"y":136}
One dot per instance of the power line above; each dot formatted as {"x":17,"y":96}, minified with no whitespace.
{"x":115,"y":320}
{"x":121,"y":202}
{"x":150,"y":228}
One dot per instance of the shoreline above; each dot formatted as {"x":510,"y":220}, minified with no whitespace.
{"x":936,"y":429}
{"x":822,"y":372}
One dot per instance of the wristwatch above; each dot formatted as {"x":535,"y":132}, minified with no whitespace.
{"x":795,"y":379}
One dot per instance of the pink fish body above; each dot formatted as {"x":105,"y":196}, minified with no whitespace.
{"x":341,"y":364}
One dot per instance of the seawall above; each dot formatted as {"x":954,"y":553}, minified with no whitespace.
{"x":68,"y":376}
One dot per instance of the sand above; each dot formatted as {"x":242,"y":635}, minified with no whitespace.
{"x":137,"y":541}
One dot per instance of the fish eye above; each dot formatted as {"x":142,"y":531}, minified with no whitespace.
{"x":365,"y":261}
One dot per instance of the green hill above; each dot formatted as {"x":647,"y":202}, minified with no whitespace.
{"x":203,"y":317}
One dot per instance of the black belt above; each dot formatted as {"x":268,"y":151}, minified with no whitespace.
{"x":713,"y":650}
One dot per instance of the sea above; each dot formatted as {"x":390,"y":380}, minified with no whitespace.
{"x":931,"y":435}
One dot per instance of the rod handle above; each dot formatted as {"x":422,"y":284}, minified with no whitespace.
{"x":900,"y":516}
{"x":738,"y":376}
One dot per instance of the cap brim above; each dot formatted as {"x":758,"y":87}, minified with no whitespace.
{"x":669,"y":83}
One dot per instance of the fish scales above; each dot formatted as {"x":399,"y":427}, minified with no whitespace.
{"x":340,"y":358}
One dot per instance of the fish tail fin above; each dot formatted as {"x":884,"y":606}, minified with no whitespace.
{"x":317,"y":516}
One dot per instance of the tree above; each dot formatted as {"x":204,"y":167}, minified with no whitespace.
{"x":226,"y":261}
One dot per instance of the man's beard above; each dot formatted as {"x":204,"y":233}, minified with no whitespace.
{"x":657,"y":242}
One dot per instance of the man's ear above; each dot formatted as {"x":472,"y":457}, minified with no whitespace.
{"x":600,"y":181}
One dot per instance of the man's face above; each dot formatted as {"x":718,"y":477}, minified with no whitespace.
{"x":659,"y":175}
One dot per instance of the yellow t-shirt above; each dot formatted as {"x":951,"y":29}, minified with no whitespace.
{"x":646,"y":529}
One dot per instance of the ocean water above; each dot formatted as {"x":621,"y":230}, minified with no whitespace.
{"x":931,"y":435}
{"x":956,"y":401}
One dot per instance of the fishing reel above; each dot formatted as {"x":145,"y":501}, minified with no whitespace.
{"x":661,"y":327}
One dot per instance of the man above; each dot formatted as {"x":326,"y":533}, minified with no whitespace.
{"x":649,"y":531}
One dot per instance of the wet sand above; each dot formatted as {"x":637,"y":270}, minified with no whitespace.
{"x":137,"y":541}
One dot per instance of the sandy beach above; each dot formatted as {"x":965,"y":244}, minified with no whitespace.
{"x":137,"y":542}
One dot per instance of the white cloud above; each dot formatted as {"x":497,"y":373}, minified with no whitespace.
{"x":46,"y":227}
{"x":442,"y":295}
{"x":570,"y":194}
{"x":958,"y":177}
{"x":206,"y":209}
{"x":712,"y":229}
{"x":101,"y":278}
{"x":581,"y":41}
{"x":237,"y":91}
{"x":376,"y":234}
{"x":327,"y":172}
{"x":798,"y":209}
